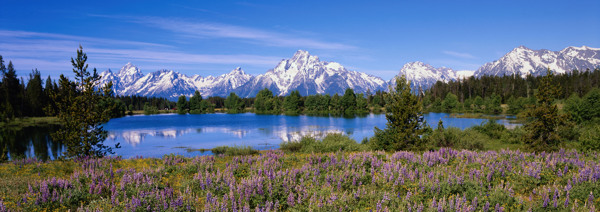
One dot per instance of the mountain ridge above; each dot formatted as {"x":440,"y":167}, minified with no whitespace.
{"x":309,"y":75}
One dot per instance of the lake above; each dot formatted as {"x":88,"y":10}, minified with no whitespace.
{"x":157,"y":135}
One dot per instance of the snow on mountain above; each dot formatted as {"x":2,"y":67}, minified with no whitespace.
{"x":170,"y":84}
{"x":307,"y":74}
{"x":424,"y":76}
{"x":522,"y":61}
{"x":221,"y":85}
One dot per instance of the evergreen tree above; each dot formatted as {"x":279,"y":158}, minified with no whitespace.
{"x":362,"y":106}
{"x":450,"y":103}
{"x":182,"y":105}
{"x":348,"y":101}
{"x":35,"y":94}
{"x":405,"y":122}
{"x":264,"y":101}
{"x":79,"y":112}
{"x":544,"y":118}
{"x":293,"y":103}
{"x":3,"y":93}
{"x":196,"y":103}
{"x":12,"y":92}
{"x":234,"y":103}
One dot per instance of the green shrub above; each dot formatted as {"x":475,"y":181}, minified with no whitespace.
{"x":234,"y":151}
{"x":453,"y":137}
{"x":331,"y":143}
{"x":491,"y":129}
{"x":590,"y":138}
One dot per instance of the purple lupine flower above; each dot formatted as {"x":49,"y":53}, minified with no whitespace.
{"x":487,"y":206}
{"x":591,"y":199}
{"x":567,"y":200}
{"x":555,"y":199}
{"x":290,"y":199}
{"x":498,"y":208}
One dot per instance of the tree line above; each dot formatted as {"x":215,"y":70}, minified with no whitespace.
{"x":486,"y":93}
{"x":266,"y":102}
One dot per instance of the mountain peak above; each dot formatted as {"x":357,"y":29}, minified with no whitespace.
{"x":237,"y":71}
{"x":522,"y":61}
{"x":303,"y":55}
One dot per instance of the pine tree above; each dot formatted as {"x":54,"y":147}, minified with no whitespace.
{"x":80,"y":114}
{"x":182,"y":105}
{"x":348,"y":101}
{"x":544,"y":117}
{"x":293,"y":103}
{"x":35,"y":94}
{"x":12,"y":92}
{"x":264,"y":101}
{"x":234,"y":103}
{"x":196,"y":103}
{"x":405,"y":122}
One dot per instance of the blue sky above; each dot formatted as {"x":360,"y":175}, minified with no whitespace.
{"x":214,"y":37}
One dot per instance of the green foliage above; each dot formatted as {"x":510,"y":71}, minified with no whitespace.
{"x":453,"y":137}
{"x":80,"y":114}
{"x":405,"y":122}
{"x":348,"y":102}
{"x":586,"y":109}
{"x":234,"y":151}
{"x":234,"y":104}
{"x":148,"y":110}
{"x":317,"y":104}
{"x":330,"y":143}
{"x":35,"y":94}
{"x":517,"y":105}
{"x":182,"y":105}
{"x":589,"y":138}
{"x":544,"y":118}
{"x":292,"y":104}
{"x":493,"y":105}
{"x":196,"y":103}
{"x":362,"y":106}
{"x":265,"y":102}
{"x":450,"y":103}
{"x":11,"y":89}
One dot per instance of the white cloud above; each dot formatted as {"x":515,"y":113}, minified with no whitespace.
{"x":52,"y":52}
{"x":193,"y":29}
{"x":459,"y":54}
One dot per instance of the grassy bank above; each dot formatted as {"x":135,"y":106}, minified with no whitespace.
{"x":445,"y":179}
{"x":19,"y":123}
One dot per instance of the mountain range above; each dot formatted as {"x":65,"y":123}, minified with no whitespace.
{"x":307,"y":74}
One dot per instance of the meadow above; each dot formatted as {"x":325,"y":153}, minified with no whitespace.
{"x":274,"y":180}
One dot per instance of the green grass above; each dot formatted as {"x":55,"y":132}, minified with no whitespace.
{"x":234,"y":151}
{"x":19,"y":123}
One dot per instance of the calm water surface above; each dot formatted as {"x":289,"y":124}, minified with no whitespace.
{"x":157,"y":135}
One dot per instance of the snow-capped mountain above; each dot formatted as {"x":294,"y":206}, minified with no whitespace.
{"x":221,"y":85}
{"x":522,"y":61}
{"x":303,"y":72}
{"x":307,"y":74}
{"x":170,"y":84}
{"x":424,"y":76}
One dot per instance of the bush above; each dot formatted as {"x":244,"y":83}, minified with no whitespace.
{"x":453,"y":137}
{"x":234,"y":151}
{"x":590,"y":138}
{"x":491,"y":129}
{"x":331,"y":143}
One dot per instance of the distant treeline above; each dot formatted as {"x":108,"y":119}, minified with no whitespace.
{"x":266,"y":102}
{"x":486,"y":93}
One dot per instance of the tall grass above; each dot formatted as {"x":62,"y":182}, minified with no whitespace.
{"x":330,"y":143}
